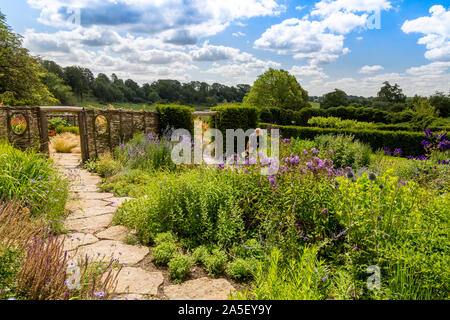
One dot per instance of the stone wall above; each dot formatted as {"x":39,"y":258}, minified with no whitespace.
{"x":121,"y":126}
{"x":33,"y":136}
{"x":100,"y":130}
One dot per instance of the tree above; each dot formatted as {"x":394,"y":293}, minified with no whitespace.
{"x":20,"y":73}
{"x":57,"y":87}
{"x":391,"y":94}
{"x":423,"y":107}
{"x":334,"y":99}
{"x":424,"y":113}
{"x":79,"y":79}
{"x":277,"y":88}
{"x":441,"y":102}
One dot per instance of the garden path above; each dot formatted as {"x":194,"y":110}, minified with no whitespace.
{"x":91,"y":233}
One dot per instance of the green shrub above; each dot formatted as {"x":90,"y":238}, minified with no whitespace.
{"x":252,"y":248}
{"x":216,"y":262}
{"x":401,"y":229}
{"x":180,"y":267}
{"x":236,"y":117}
{"x":107,"y":166}
{"x":31,"y":174}
{"x":297,"y":278}
{"x":54,"y":123}
{"x":345,"y":151}
{"x":61,"y":129}
{"x":188,"y":204}
{"x":334,"y":122}
{"x":165,"y":237}
{"x":242,"y":269}
{"x":176,"y":116}
{"x":200,"y":254}
{"x":9,"y":266}
{"x":363,"y":114}
{"x":409,"y":142}
{"x":163,"y":253}
{"x":146,"y":152}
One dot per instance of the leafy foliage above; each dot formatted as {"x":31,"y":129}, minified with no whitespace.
{"x":20,"y":73}
{"x":277,"y":88}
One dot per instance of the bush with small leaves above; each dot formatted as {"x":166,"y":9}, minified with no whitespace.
{"x":107,"y":166}
{"x":242,"y":269}
{"x":163,"y":253}
{"x":215,"y":263}
{"x":179,"y":267}
{"x":200,"y":254}
{"x":164,"y":237}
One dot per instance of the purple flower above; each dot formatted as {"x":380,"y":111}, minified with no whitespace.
{"x":355,"y":248}
{"x":325,"y":278}
{"x":273,"y":181}
{"x":324,"y":211}
{"x":100,"y":294}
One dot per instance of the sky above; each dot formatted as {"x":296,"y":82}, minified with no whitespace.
{"x":352,"y":45}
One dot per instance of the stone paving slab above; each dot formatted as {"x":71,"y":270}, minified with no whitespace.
{"x":90,"y":212}
{"x":75,"y":240}
{"x":118,"y":233}
{"x":126,"y":254}
{"x":94,"y":195}
{"x":137,"y":280}
{"x":91,"y":224}
{"x":200,"y":289}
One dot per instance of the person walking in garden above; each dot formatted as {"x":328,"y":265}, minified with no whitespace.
{"x":253,"y":142}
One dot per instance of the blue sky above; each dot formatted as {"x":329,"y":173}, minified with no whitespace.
{"x":352,"y":45}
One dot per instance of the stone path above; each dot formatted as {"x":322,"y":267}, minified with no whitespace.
{"x":91,"y":233}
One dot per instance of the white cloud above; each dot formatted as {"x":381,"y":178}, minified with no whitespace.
{"x":238,"y":34}
{"x":174,"y":21}
{"x":301,"y":72}
{"x":370,"y":69}
{"x":436,"y":29}
{"x":432,"y":69}
{"x":328,"y":7}
{"x":320,"y":41}
{"x":359,"y":38}
{"x":305,"y":39}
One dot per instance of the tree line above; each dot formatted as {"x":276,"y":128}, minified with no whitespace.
{"x":28,"y":80}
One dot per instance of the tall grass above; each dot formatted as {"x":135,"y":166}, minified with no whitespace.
{"x":26,"y":173}
{"x":277,"y":278}
{"x":66,"y":142}
{"x":146,"y":152}
{"x":34,"y":264}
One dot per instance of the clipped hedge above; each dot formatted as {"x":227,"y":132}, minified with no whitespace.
{"x":408,"y":127}
{"x":74,"y":130}
{"x":409,"y":142}
{"x":236,"y":117}
{"x":364,"y":114}
{"x":176,"y":116}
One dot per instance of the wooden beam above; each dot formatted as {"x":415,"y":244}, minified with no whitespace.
{"x":61,"y":109}
{"x":205,"y":113}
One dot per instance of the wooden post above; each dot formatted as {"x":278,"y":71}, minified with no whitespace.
{"x":83,"y":135}
{"x":43,"y":132}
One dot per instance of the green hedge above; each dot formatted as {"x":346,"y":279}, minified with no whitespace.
{"x":74,"y":130}
{"x":236,"y":117}
{"x":176,"y":116}
{"x":301,"y":117}
{"x":409,"y":127}
{"x":409,"y":142}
